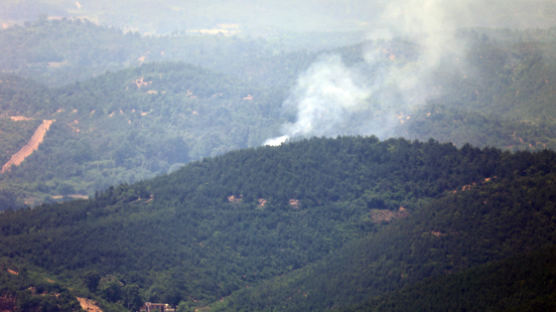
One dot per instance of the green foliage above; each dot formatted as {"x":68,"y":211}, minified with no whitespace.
{"x":23,"y":290}
{"x":93,"y":145}
{"x":112,"y":292}
{"x":468,"y":127}
{"x":481,"y":222}
{"x":203,"y":233}
{"x":521,"y":283}
{"x":273,"y":228}
{"x":103,"y":134}
{"x":91,"y":280}
{"x":131,"y":297}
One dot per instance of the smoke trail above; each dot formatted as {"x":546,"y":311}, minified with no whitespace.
{"x":375,"y":95}
{"x":325,"y":96}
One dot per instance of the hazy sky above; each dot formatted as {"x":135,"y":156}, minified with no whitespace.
{"x":306,"y":15}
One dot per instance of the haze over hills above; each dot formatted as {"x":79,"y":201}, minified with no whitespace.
{"x":104,"y":123}
{"x":194,"y":113}
{"x":234,"y":156}
{"x":253,"y":19}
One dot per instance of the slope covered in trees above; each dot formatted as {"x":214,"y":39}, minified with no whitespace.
{"x":475,"y":224}
{"x":294,"y":227}
{"x":498,"y":92}
{"x":59,"y":52}
{"x":129,"y":125}
{"x":521,"y":283}
{"x":24,"y":290}
{"x":141,"y":120}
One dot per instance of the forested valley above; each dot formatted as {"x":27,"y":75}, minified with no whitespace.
{"x":121,"y":118}
{"x":134,"y":169}
{"x":258,"y":229}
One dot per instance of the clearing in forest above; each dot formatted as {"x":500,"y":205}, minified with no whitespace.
{"x":30,"y":147}
{"x":88,"y":305}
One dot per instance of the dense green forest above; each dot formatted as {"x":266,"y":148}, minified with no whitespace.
{"x":258,"y":229}
{"x":91,"y":145}
{"x":134,"y":166}
{"x":206,"y":95}
{"x":522,"y":283}
{"x":25,"y":290}
{"x":481,"y":222}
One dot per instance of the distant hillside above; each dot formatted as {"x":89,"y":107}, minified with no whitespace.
{"x":501,"y":92}
{"x":514,"y":78}
{"x":312,"y":225}
{"x":153,"y":146}
{"x":462,"y":126}
{"x":60,"y":52}
{"x":505,"y":98}
{"x":170,"y":16}
{"x":127,"y":126}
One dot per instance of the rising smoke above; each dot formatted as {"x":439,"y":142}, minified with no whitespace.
{"x":411,"y":41}
{"x":327,"y":95}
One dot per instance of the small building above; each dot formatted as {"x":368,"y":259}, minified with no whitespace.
{"x":156,"y":307}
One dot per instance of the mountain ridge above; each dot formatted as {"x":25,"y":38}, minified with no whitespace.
{"x":318,"y":195}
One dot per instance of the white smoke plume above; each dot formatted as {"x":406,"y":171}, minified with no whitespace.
{"x":376,"y":95}
{"x":330,"y":98}
{"x":326,"y":95}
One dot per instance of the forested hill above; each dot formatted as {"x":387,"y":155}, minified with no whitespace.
{"x":503,"y":95}
{"x":59,"y":52}
{"x":146,"y":105}
{"x":508,"y":285}
{"x":311,"y":225}
{"x":126,"y":126}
